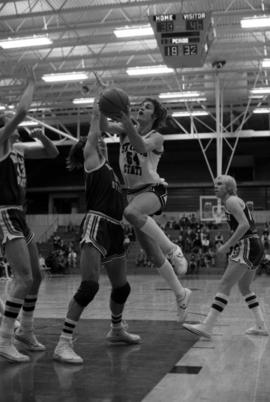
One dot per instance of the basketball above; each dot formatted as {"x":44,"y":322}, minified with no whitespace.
{"x":113,"y":101}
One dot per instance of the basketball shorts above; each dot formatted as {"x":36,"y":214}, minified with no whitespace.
{"x":248,"y":251}
{"x":105,"y":234}
{"x":160,"y":190}
{"x":13,"y":225}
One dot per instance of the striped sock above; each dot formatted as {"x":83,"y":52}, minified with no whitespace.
{"x":68,"y":328}
{"x":116,"y":320}
{"x":12,"y":308}
{"x":253,"y":305}
{"x":27,"y":316}
{"x":219,"y":303}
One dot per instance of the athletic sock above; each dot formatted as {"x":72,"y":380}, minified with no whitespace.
{"x":12,"y":308}
{"x":27,"y":316}
{"x":253,"y":305}
{"x":116,"y":320}
{"x":68,"y":329}
{"x":219,"y":303}
{"x":167,"y":272}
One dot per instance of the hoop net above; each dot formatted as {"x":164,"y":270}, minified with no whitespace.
{"x":218,"y":212}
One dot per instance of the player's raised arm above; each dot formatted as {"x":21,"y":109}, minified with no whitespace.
{"x":21,"y":111}
{"x":44,"y":148}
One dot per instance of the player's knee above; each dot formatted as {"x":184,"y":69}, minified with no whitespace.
{"x":120,"y":295}
{"x":86,"y":292}
{"x":131,"y":215}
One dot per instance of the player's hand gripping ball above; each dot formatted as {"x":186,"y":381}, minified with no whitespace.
{"x":113,"y":101}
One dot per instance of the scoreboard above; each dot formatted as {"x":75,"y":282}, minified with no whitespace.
{"x":183,"y":39}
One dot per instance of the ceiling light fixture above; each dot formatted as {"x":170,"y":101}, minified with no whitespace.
{"x":149,"y":70}
{"x":135,"y":31}
{"x":261,"y":110}
{"x":182,"y":100}
{"x":260,"y":91}
{"x":188,"y":114}
{"x":183,"y":94}
{"x":13,"y":43}
{"x":256,"y":22}
{"x":28,"y":124}
{"x":83,"y":101}
{"x":266,"y":63}
{"x":62,"y":77}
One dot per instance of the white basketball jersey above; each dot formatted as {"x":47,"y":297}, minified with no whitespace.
{"x":138,"y":168}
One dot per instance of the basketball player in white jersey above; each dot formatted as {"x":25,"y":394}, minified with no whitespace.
{"x":141,"y":147}
{"x":246,"y":255}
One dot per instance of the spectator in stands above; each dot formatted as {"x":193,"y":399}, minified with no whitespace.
{"x":72,"y":258}
{"x":20,"y":248}
{"x":193,"y":264}
{"x":245,"y":258}
{"x":219,"y":239}
{"x":126,"y":243}
{"x":205,"y":242}
{"x":141,"y":258}
{"x":102,"y":242}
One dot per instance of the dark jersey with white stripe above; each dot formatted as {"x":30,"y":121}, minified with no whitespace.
{"x":103,"y":192}
{"x":12,"y":179}
{"x":234,"y":223}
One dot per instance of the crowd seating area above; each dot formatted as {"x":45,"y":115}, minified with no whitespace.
{"x":198,"y":240}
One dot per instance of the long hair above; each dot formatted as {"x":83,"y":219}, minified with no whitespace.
{"x":160,"y":113}
{"x":75,"y":159}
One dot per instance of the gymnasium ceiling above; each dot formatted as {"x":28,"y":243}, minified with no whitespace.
{"x":83,"y":40}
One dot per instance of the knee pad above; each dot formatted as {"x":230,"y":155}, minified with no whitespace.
{"x":86,"y":292}
{"x":120,"y":295}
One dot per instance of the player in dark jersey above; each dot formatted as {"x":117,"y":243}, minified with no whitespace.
{"x":141,"y":146}
{"x":101,"y":242}
{"x":16,"y":237}
{"x":246,"y":255}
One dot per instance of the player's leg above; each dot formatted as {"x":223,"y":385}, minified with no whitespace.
{"x":166,"y":271}
{"x":234,"y":272}
{"x":17,"y":254}
{"x":90,"y":263}
{"x":138,"y":214}
{"x":253,"y":304}
{"x":116,"y":270}
{"x":25,"y":333}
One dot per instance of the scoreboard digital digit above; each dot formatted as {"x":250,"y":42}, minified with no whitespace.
{"x":183,"y":39}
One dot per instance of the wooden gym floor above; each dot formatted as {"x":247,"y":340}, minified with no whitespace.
{"x":171,"y":365}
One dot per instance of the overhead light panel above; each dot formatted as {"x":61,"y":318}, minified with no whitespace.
{"x":133,"y":32}
{"x":262,"y":110}
{"x":83,"y":101}
{"x":2,"y":107}
{"x":34,"y":41}
{"x":28,"y":124}
{"x":182,"y":100}
{"x":256,"y":22}
{"x":184,"y":113}
{"x":62,"y":77}
{"x":260,"y":91}
{"x":149,"y":70}
{"x":266,"y":63}
{"x":183,"y":94}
